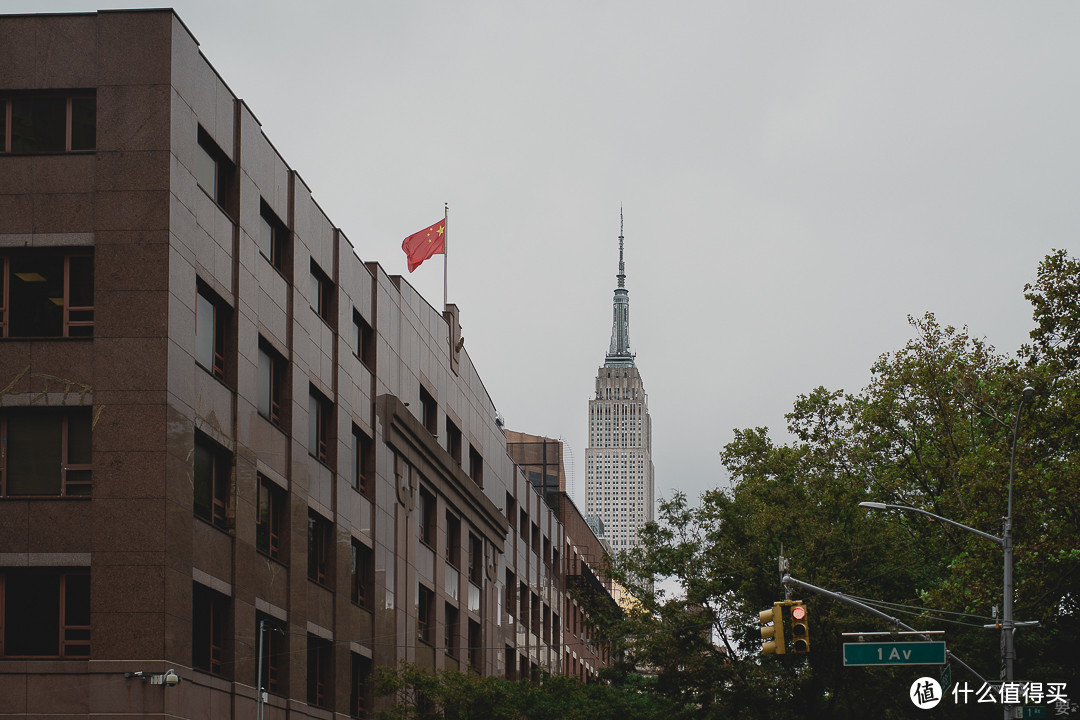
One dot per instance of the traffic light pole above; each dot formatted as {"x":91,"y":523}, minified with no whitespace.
{"x":841,"y":597}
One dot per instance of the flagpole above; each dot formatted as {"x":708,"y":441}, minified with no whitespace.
{"x":446,"y":249}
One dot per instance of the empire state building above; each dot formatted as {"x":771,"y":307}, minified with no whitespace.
{"x":618,"y":459}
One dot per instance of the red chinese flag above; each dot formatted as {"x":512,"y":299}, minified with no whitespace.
{"x":422,"y":245}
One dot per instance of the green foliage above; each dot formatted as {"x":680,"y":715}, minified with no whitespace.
{"x":418,"y":694}
{"x":932,"y":430}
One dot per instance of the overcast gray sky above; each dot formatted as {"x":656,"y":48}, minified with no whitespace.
{"x":797,"y":179}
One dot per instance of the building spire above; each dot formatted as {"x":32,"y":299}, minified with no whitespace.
{"x":619,"y":354}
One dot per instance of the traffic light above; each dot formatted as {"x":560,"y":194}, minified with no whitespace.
{"x":772,"y":630}
{"x":800,"y":628}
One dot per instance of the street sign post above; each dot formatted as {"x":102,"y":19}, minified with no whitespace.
{"x":894,"y":653}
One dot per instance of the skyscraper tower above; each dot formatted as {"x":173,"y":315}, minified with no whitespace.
{"x":618,"y":459}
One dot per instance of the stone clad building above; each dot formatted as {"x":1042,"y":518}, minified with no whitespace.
{"x":221,"y":430}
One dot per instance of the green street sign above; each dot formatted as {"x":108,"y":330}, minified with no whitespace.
{"x":894,"y":653}
{"x":1031,"y":711}
{"x":946,"y":678}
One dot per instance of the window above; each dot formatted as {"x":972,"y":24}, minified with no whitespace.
{"x":322,"y":294}
{"x":547,"y":625}
{"x":511,"y":513}
{"x":426,"y":514}
{"x":556,"y":631}
{"x":320,"y":535}
{"x":45,"y":612}
{"x":47,"y":294}
{"x":271,"y":382}
{"x":534,"y":616}
{"x":45,"y":451}
{"x":211,"y":321}
{"x":273,"y":236}
{"x":269,"y":523}
{"x":476,"y":560}
{"x":363,"y":341}
{"x":215,"y":173}
{"x":430,"y":411}
{"x":319,"y":419}
{"x":363,"y":458}
{"x":211,"y":479}
{"x":476,"y":466}
{"x":476,"y":647}
{"x":450,"y":630}
{"x":209,"y":618}
{"x":453,"y":440}
{"x":361,"y":676}
{"x":523,"y":600}
{"x":363,"y":574}
{"x":48,"y":122}
{"x":523,"y":526}
{"x":425,"y":614}
{"x":510,"y":599}
{"x":453,"y":539}
{"x":274,"y":657}
{"x":319,"y":658}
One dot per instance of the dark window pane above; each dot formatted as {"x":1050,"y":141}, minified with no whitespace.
{"x":32,"y":614}
{"x":266,"y":238}
{"x":204,"y":480}
{"x":204,"y":331}
{"x":79,"y":437}
{"x":33,"y":462}
{"x":77,"y":599}
{"x":83,"y":125}
{"x":266,"y":378}
{"x":37,"y":296}
{"x":38,"y":124}
{"x":81,"y":288}
{"x":206,"y":171}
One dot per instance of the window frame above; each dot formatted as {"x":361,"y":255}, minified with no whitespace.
{"x":66,"y":466}
{"x":363,"y":341}
{"x":221,"y":462}
{"x":427,"y":504}
{"x":363,"y":461}
{"x":359,"y":694}
{"x":273,"y":527}
{"x":7,"y":100}
{"x":362,"y":580}
{"x":217,"y":607}
{"x":322,"y":289}
{"x":425,"y":614}
{"x":320,"y":661}
{"x":278,"y":236}
{"x":275,"y":656}
{"x":278,"y":382}
{"x":223,"y":193}
{"x":68,"y":323}
{"x":320,"y":421}
{"x":219,"y":323}
{"x":69,"y":635}
{"x":320,"y":532}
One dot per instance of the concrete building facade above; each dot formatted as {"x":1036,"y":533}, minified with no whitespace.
{"x":618,"y":457}
{"x":230,"y":447}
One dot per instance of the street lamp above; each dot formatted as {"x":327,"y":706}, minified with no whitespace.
{"x":1008,"y":626}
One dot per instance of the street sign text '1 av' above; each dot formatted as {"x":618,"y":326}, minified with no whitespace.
{"x":894,"y":653}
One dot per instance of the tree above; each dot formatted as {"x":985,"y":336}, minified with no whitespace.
{"x":419,"y":694}
{"x":933,"y":430}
